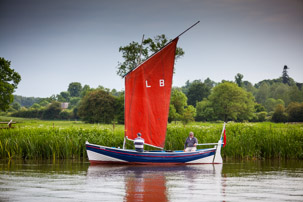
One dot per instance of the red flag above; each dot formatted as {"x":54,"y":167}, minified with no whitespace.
{"x":147,"y":96}
{"x":224,"y":138}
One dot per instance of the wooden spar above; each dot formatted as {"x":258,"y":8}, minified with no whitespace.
{"x":162,"y":47}
{"x":146,"y":144}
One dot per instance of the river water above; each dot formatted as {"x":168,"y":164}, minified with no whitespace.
{"x":78,"y":181}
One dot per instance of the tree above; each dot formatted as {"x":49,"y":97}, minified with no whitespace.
{"x":204,"y":110}
{"x":178,"y":100}
{"x":119,"y":108}
{"x":285,"y":77}
{"x":188,"y":115}
{"x":173,"y":115}
{"x":74,"y":89}
{"x":238,"y":79}
{"x":262,"y":93}
{"x":131,"y":53}
{"x":295,"y":112}
{"x":9,"y":80}
{"x":97,"y":106}
{"x":16,"y":106}
{"x":279,"y":114}
{"x":52,"y":111}
{"x":231,"y":102}
{"x":64,"y":96}
{"x":271,"y":104}
{"x":84,"y":90}
{"x":196,"y":92}
{"x":209,"y":83}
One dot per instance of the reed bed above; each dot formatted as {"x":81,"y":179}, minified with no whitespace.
{"x":67,"y":141}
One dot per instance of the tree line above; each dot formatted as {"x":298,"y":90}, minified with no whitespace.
{"x":276,"y":100}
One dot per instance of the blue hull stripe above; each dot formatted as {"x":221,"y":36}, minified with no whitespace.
{"x":151,"y":157}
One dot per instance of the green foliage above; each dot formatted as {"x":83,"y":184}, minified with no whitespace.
{"x":238,"y":79}
{"x":231,"y":102}
{"x":172,"y":115}
{"x":35,"y":106}
{"x":26,"y":101}
{"x":119,"y":109}
{"x":285,"y":77}
{"x":97,"y":106}
{"x":188,"y":115}
{"x":295,"y":112}
{"x":9,"y":80}
{"x":178,"y":100}
{"x":196,"y":92}
{"x":279,"y":114}
{"x":64,"y":96}
{"x":262,"y":93}
{"x":74,"y":89}
{"x":205,"y":112}
{"x":131,"y":53}
{"x":52,"y":111}
{"x":271,"y":104}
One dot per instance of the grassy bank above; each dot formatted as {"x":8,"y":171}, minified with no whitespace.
{"x":35,"y":139}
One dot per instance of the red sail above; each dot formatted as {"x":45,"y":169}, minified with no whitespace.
{"x":147,"y":97}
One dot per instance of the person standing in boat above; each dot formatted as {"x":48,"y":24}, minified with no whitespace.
{"x":190,"y":143}
{"x":139,"y":143}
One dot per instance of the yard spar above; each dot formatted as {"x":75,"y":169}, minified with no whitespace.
{"x":147,"y":99}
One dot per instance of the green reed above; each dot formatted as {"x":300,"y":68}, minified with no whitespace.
{"x":244,"y":140}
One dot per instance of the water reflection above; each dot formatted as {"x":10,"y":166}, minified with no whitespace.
{"x":164,"y":183}
{"x":78,"y":181}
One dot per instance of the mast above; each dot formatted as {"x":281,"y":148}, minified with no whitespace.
{"x":162,"y":47}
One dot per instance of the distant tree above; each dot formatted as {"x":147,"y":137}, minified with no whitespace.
{"x":295,"y":112}
{"x":64,"y":96}
{"x":85,"y":90}
{"x":279,"y":114}
{"x":280,"y":91}
{"x":52,"y":111}
{"x":271,"y":104}
{"x":188,"y":115}
{"x":262,"y":93}
{"x":249,"y":87}
{"x":74,"y":101}
{"x":285,"y":77}
{"x":209,"y":83}
{"x":9,"y":80}
{"x":238,"y":79}
{"x":97,"y":106}
{"x":74,"y":89}
{"x":231,"y":102}
{"x":131,"y":53}
{"x":205,"y":111}
{"x":196,"y":92}
{"x":259,"y":108}
{"x":295,"y":94}
{"x":262,"y":116}
{"x":178,"y":100}
{"x":173,"y":115}
{"x":35,"y":106}
{"x":16,"y":106}
{"x":119,"y":108}
{"x":43,"y":103}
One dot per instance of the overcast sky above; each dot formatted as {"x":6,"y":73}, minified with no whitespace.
{"x":53,"y":43}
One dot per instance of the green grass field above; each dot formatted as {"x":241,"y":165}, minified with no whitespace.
{"x":37,"y":139}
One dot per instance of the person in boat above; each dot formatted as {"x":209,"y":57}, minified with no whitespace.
{"x":139,"y":143}
{"x":190,"y":143}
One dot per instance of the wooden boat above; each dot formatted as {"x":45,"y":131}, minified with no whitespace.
{"x":147,"y":99}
